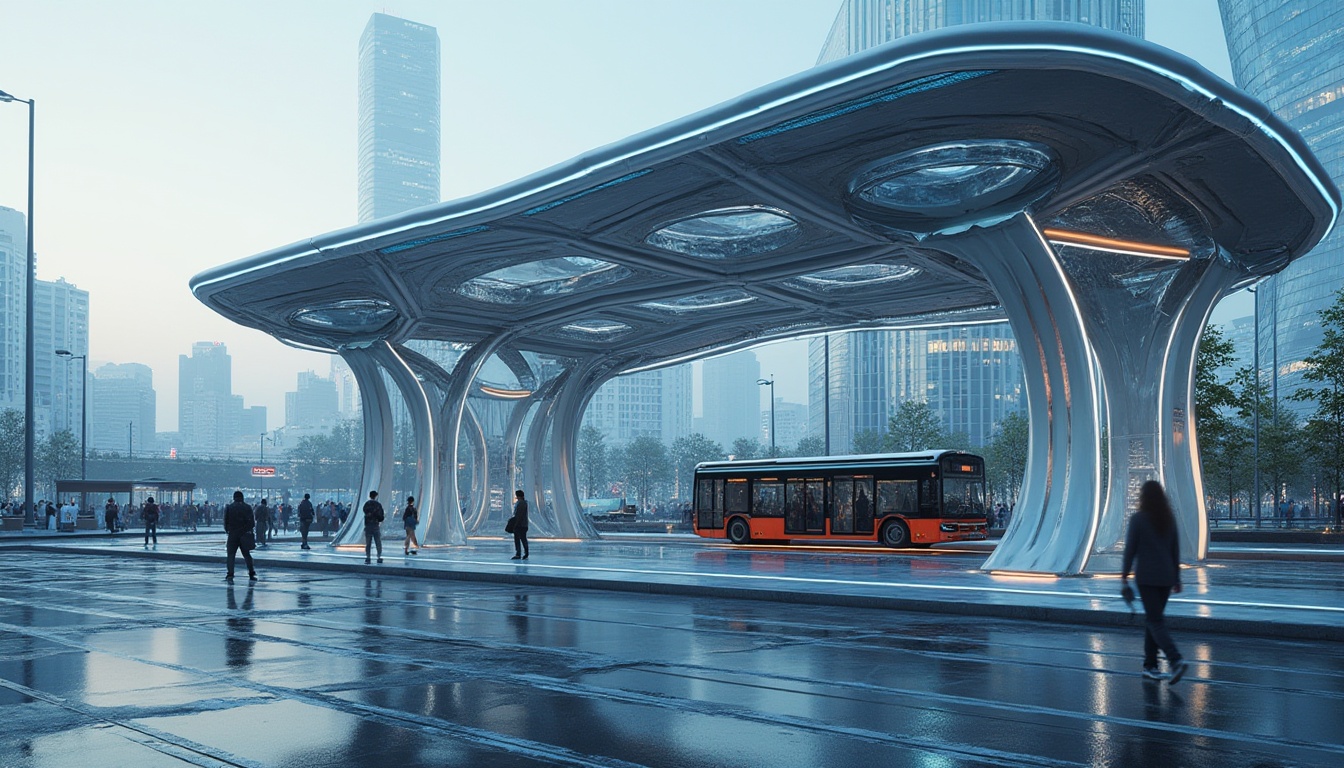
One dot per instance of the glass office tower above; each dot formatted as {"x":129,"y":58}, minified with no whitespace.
{"x":1291,"y":56}
{"x":398,"y":117}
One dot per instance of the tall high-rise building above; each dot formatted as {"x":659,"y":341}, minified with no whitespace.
{"x":648,"y":403}
{"x":314,"y":405}
{"x":13,"y":290}
{"x":730,"y":398}
{"x":60,"y":321}
{"x":862,"y":24}
{"x":122,"y":408}
{"x":398,"y":117}
{"x":1290,"y":55}
{"x":208,"y":415}
{"x":963,"y":373}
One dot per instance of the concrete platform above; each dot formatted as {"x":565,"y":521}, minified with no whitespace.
{"x":1240,"y":590}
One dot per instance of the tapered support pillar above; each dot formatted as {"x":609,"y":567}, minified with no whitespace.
{"x":1055,"y":520}
{"x":421,"y":410}
{"x":378,"y":460}
{"x":570,"y":402}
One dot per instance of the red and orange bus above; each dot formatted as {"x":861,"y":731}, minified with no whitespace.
{"x":898,"y":499}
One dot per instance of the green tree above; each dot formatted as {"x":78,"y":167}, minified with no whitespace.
{"x":916,"y":427}
{"x":1325,"y":370}
{"x":330,"y":461}
{"x":869,"y":441}
{"x":57,"y":459}
{"x":1280,"y":440}
{"x":1006,"y":457}
{"x":1224,"y":441}
{"x":645,"y":467}
{"x":593,"y":461}
{"x":747,"y":448}
{"x":811,"y":445}
{"x":11,"y":451}
{"x":686,"y":453}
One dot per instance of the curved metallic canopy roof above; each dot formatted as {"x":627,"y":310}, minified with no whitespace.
{"x":817,"y":203}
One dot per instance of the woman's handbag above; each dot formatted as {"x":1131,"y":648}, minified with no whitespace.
{"x":509,"y":526}
{"x":248,"y":540}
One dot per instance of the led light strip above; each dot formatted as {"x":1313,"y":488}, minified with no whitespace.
{"x":1112,"y":245}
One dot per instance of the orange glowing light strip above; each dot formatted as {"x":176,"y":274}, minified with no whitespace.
{"x":1111,"y":244}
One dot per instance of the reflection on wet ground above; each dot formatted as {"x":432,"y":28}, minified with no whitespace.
{"x":121,"y":662}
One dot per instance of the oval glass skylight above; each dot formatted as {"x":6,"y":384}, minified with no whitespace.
{"x":347,"y":316}
{"x":520,"y":283}
{"x":726,"y":297}
{"x":954,"y":177}
{"x":854,"y":276}
{"x":595,"y":329}
{"x":728,"y":233}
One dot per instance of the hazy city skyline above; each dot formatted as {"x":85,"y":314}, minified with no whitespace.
{"x":201,"y":134}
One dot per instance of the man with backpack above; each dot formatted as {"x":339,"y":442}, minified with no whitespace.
{"x":305,"y":520}
{"x":151,"y":513}
{"x":237,"y":522}
{"x":373,"y":521}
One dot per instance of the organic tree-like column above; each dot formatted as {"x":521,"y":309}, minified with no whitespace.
{"x":421,"y":410}
{"x":378,"y":460}
{"x":1055,"y":521}
{"x":575,"y":392}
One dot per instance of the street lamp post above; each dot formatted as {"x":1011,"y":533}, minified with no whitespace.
{"x":29,"y":353}
{"x":83,"y":409}
{"x":771,"y":384}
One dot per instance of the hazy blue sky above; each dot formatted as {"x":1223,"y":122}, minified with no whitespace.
{"x":174,"y":136}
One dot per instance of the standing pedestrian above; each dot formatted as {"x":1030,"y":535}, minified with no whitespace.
{"x":151,"y":514}
{"x":110,"y":515}
{"x":519,"y":526}
{"x":305,"y":520}
{"x":1152,"y":549}
{"x":410,"y":517}
{"x":373,"y":521}
{"x":263,"y":523}
{"x":238,"y":521}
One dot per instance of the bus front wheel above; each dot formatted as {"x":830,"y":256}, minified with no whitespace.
{"x":895,"y":534}
{"x":738,"y":531}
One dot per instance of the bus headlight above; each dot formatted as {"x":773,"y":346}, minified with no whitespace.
{"x":948,"y":527}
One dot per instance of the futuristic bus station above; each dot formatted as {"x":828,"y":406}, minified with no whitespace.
{"x":1097,"y":193}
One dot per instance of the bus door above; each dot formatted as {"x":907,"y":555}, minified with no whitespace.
{"x":805,"y":506}
{"x":709,"y":503}
{"x":852,"y":504}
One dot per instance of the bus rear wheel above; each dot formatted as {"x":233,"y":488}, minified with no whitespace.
{"x":895,"y":534}
{"x":738,"y":531}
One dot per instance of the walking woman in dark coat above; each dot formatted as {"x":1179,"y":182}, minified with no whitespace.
{"x":1152,"y":552}
{"x":519,"y":526}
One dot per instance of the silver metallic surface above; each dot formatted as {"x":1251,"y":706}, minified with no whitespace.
{"x":378,"y":459}
{"x":1016,"y":130}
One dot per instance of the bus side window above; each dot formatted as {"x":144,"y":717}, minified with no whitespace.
{"x":705,"y":503}
{"x":735,"y":497}
{"x":718,"y":503}
{"x":929,"y":497}
{"x":896,"y":497}
{"x":767,"y":498}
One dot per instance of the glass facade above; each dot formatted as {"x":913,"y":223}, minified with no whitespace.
{"x":1291,"y":56}
{"x":862,"y":24}
{"x":398,"y":117}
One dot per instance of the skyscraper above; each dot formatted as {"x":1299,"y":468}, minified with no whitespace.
{"x":862,"y":24}
{"x":1291,"y":56}
{"x":122,"y":408}
{"x":13,"y":287}
{"x":653,"y":403}
{"x":208,"y":414}
{"x":731,"y":398}
{"x":965,"y":374}
{"x":314,"y":405}
{"x":60,"y":321}
{"x":398,"y":117}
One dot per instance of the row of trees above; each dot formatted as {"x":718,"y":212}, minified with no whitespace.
{"x":55,"y":458}
{"x":1242,"y":428}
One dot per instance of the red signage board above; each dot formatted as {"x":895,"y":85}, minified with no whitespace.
{"x":263,"y":471}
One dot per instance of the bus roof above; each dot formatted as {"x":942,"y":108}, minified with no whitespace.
{"x":867,"y":459}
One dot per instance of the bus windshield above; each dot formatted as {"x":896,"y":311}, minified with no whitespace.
{"x":963,"y":497}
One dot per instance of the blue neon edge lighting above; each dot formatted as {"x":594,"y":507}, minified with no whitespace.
{"x":408,"y":245}
{"x":918,"y":85}
{"x":589,"y":191}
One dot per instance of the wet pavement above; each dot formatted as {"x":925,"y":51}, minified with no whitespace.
{"x":1290,"y":592}
{"x":137,"y":661}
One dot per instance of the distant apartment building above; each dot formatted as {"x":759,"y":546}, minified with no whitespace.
{"x":122,"y":409}
{"x":650,"y":403}
{"x":13,"y":288}
{"x":790,"y":424}
{"x":211,"y":419}
{"x":399,"y":117}
{"x":60,"y":322}
{"x":314,"y":405}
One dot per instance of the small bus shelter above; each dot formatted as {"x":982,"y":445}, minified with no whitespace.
{"x":127,"y":493}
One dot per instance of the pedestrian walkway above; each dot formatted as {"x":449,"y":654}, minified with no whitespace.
{"x":1268,"y":595}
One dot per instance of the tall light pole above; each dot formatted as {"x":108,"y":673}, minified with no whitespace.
{"x":771,"y":384}
{"x":83,"y":409}
{"x":29,"y":355}
{"x":1255,"y":411}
